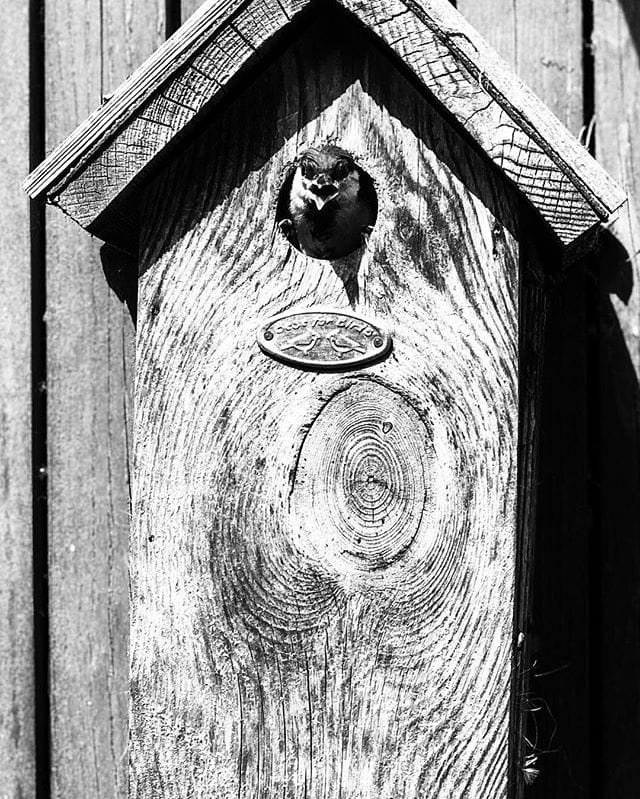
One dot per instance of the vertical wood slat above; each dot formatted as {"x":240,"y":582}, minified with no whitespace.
{"x":617,"y":73}
{"x":188,"y":7}
{"x":542,"y":40}
{"x":17,"y":745}
{"x":617,"y":49}
{"x":91,"y":46}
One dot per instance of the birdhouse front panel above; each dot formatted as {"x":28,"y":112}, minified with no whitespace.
{"x":323,"y":552}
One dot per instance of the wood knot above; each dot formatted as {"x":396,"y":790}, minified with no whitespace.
{"x":359,"y":490}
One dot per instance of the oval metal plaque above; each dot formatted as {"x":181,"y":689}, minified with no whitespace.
{"x":320,"y":338}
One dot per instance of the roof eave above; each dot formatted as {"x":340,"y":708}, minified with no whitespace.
{"x":420,"y":33}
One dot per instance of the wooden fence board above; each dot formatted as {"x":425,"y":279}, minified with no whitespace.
{"x":188,"y":7}
{"x":542,"y":39}
{"x":543,"y":42}
{"x":617,"y":49}
{"x":90,"y":379}
{"x":17,"y":758}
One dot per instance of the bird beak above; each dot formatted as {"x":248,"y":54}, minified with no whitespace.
{"x":322,"y":201}
{"x":323,"y":194}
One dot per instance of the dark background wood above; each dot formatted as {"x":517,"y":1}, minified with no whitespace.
{"x":64,"y":499}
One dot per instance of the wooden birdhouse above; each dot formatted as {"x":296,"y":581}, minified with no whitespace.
{"x":342,"y":214}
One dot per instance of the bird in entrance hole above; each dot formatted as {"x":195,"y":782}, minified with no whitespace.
{"x":328,"y":206}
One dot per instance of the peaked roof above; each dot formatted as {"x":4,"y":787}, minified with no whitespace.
{"x":87,"y":172}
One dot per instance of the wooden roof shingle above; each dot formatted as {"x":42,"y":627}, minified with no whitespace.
{"x":87,"y":173}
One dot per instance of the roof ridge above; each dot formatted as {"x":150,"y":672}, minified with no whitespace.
{"x":445,"y":53}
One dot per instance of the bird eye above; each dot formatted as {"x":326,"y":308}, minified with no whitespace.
{"x":341,"y":169}
{"x":309,"y":169}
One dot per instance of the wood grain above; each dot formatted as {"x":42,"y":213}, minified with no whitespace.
{"x":17,"y":754}
{"x":322,"y":565}
{"x":99,"y":160}
{"x":91,"y":46}
{"x":617,"y":35}
{"x":232,"y":44}
{"x":133,"y":96}
{"x":508,"y":121}
{"x":617,"y":43}
{"x":543,"y":40}
{"x":188,"y":7}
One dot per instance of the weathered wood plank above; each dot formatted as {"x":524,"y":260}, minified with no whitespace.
{"x":617,"y":41}
{"x":284,"y":642}
{"x":90,"y":381}
{"x":105,"y":121}
{"x":188,"y":7}
{"x":542,"y":39}
{"x":496,"y":21}
{"x":99,"y":160}
{"x":617,"y":44}
{"x":169,"y":111}
{"x":17,"y":744}
{"x":501,"y":113}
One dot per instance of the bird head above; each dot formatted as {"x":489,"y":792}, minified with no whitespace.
{"x":323,"y":174}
